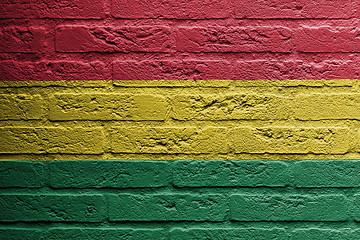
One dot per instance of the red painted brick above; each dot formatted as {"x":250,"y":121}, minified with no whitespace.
{"x":234,"y":39}
{"x":68,"y":9}
{"x":295,"y":69}
{"x":300,"y":9}
{"x":113,"y":39}
{"x":330,"y":69}
{"x":172,"y":9}
{"x":328,"y":39}
{"x":264,"y":69}
{"x":22,"y":39}
{"x":17,"y":9}
{"x":171,"y":69}
{"x":52,"y":70}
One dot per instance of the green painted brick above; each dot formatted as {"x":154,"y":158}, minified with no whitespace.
{"x":12,"y":233}
{"x":107,"y":106}
{"x":228,"y":234}
{"x":214,"y":107}
{"x":54,"y":208}
{"x":322,"y":234}
{"x":322,"y":208}
{"x":246,"y":173}
{"x":169,"y":140}
{"x":355,"y":234}
{"x":321,"y":140}
{"x":357,"y":207}
{"x":21,"y":107}
{"x":118,"y":174}
{"x":329,"y":173}
{"x":16,"y":140}
{"x":106,"y":234}
{"x":167,"y":207}
{"x":23,"y":174}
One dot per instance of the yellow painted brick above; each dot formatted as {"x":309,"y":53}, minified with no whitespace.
{"x":327,"y":106}
{"x":169,"y":140}
{"x":107,"y":107}
{"x":173,"y":83}
{"x":197,"y":119}
{"x":60,"y":83}
{"x":321,"y":140}
{"x":21,"y":107}
{"x":23,"y":140}
{"x":229,"y":107}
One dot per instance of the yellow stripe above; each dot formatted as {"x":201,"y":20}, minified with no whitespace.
{"x":173,"y":119}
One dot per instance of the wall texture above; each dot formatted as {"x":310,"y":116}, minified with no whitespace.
{"x":185,"y":119}
{"x":182,"y":199}
{"x":198,"y":39}
{"x":67,"y":111}
{"x":201,"y":198}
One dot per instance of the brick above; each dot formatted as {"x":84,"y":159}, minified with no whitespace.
{"x":21,"y":233}
{"x":173,"y":84}
{"x":294,"y":69}
{"x":62,"y":84}
{"x":285,"y":207}
{"x":320,"y":234}
{"x":65,"y":9}
{"x":329,"y":69}
{"x":327,"y":39}
{"x":358,"y":140}
{"x":172,"y":69}
{"x":219,"y":173}
{"x":114,"y":174}
{"x":51,"y":140}
{"x":54,"y":208}
{"x":264,"y":69}
{"x":22,"y":39}
{"x":300,"y":9}
{"x":168,"y":140}
{"x":356,"y":201}
{"x":167,"y":207}
{"x":321,"y":140}
{"x":234,"y":39}
{"x":329,"y":173}
{"x":102,"y":106}
{"x":22,"y":174}
{"x":227,"y":233}
{"x":327,"y":106}
{"x":187,"y":9}
{"x":52,"y":70}
{"x":355,"y":234}
{"x":113,"y":39}
{"x":105,"y":234}
{"x":21,"y":107}
{"x":213,"y":107}
{"x":17,"y":9}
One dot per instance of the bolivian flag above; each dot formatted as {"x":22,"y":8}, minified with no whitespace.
{"x":181,"y":120}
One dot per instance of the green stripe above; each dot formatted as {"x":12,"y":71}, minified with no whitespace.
{"x":182,"y":199}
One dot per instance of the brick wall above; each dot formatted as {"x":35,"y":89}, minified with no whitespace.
{"x":201,"y":39}
{"x":254,"y":120}
{"x":201,"y":198}
{"x":185,"y":119}
{"x":183,"y":199}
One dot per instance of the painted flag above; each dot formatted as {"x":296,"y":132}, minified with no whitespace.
{"x":163,"y":119}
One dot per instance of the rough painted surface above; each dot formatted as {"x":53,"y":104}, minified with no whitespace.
{"x":187,"y":39}
{"x":181,"y":199}
{"x":185,"y":119}
{"x":108,"y":40}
